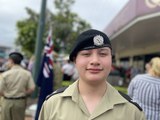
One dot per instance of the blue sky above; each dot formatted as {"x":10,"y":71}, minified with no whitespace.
{"x":98,"y":13}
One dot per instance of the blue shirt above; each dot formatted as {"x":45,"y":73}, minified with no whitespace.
{"x":145,"y":90}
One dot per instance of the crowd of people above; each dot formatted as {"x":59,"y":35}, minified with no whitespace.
{"x":90,"y":96}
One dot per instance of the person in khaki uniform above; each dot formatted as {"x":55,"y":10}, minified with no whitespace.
{"x":15,"y":85}
{"x":91,"y":97}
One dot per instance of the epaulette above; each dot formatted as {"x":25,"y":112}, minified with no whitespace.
{"x":60,"y":90}
{"x":130,"y":100}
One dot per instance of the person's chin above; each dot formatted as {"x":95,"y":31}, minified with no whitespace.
{"x":94,"y":79}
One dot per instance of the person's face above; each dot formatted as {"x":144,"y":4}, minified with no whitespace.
{"x":9,"y":63}
{"x":94,"y":64}
{"x":147,"y":67}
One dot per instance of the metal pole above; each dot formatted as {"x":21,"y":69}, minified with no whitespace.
{"x":38,"y":46}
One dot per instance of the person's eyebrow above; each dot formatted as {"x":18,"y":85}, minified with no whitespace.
{"x":104,"y":49}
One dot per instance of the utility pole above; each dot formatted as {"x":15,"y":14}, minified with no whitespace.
{"x":39,"y":43}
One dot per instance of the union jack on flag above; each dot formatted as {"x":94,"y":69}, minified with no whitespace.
{"x":48,"y":52}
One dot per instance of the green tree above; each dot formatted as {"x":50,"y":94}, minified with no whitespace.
{"x":27,"y":29}
{"x":66,"y":26}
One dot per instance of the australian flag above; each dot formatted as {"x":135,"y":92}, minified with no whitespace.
{"x":45,"y":78}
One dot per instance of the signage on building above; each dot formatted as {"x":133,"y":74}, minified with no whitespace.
{"x":152,"y":3}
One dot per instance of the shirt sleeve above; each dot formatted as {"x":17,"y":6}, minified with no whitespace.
{"x":141,"y":116}
{"x":2,"y":83}
{"x":42,"y":113}
{"x":31,"y":83}
{"x":131,"y":88}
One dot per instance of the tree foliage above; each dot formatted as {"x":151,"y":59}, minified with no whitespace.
{"x":27,"y":29}
{"x":66,"y":26}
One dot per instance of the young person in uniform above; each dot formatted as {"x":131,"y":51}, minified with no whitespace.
{"x":15,"y":85}
{"x":91,"y":97}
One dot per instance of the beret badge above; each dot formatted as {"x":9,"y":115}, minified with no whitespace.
{"x":98,"y":40}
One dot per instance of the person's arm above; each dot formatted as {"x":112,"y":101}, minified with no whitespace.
{"x":140,"y":116}
{"x":42,"y":113}
{"x":29,"y":91}
{"x":1,"y":93}
{"x":31,"y":85}
{"x":1,"y":85}
{"x":131,"y":88}
{"x":143,"y":117}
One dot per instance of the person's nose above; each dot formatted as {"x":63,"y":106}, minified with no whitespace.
{"x":95,"y":60}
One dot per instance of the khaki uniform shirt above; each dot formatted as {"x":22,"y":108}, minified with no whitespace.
{"x":16,"y":81}
{"x":69,"y":105}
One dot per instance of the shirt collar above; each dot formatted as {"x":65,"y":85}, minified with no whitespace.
{"x":72,"y":91}
{"x":111,"y":96}
{"x":16,"y":66}
{"x":109,"y":100}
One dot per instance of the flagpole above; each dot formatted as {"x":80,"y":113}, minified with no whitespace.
{"x":45,"y":75}
{"x":38,"y":46}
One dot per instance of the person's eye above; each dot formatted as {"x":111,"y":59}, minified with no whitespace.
{"x":103,"y":54}
{"x":85,"y":54}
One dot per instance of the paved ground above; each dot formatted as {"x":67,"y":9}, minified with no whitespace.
{"x":31,"y":109}
{"x":29,"y":118}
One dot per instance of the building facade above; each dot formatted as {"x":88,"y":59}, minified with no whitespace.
{"x":134,"y":32}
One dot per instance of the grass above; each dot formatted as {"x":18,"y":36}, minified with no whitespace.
{"x":122,"y":89}
{"x":66,"y":83}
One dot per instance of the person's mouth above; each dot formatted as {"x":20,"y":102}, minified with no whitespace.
{"x":94,"y":70}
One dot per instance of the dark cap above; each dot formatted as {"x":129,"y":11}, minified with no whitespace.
{"x":90,"y":39}
{"x":16,"y":57}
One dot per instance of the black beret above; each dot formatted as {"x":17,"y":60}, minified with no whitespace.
{"x":90,"y":39}
{"x":16,"y":57}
